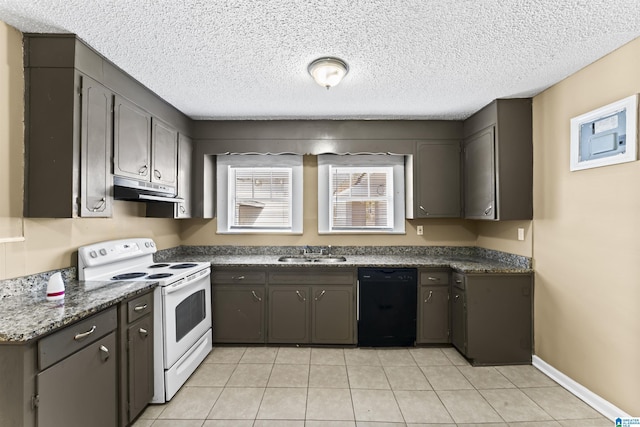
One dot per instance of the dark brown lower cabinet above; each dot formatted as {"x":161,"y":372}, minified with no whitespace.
{"x":238,"y":313}
{"x":492,"y":317}
{"x":289,"y":314}
{"x":433,"y":315}
{"x":332,"y":314}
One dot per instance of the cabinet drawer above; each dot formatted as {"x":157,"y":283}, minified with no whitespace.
{"x":434,"y":277}
{"x":238,"y":276}
{"x":140,"y":306}
{"x":459,"y":281}
{"x":61,"y":344}
{"x":312,"y":276}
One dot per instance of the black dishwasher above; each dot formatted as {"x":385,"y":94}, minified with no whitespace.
{"x":387,"y":301}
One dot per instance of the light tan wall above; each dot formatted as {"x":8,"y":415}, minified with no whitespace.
{"x":436,"y":232}
{"x":49,"y":243}
{"x":586,"y":240}
{"x":503,"y":236}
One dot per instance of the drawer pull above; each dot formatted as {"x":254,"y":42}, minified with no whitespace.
{"x":433,"y":279}
{"x":300,"y":296}
{"x":319,"y":297}
{"x":83,"y":335}
{"x":429,"y":296}
{"x":255,"y":296}
{"x":238,"y":277}
{"x":458,"y":281}
{"x":143,"y":332}
{"x":104,"y":352}
{"x":140,"y":307}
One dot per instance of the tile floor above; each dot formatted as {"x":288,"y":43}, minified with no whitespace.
{"x":296,"y":387}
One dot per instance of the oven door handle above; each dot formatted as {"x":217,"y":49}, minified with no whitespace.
{"x":175,"y":287}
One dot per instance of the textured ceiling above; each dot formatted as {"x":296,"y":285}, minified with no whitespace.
{"x":416,"y":59}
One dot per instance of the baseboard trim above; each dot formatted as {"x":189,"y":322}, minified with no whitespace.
{"x":581,"y":392}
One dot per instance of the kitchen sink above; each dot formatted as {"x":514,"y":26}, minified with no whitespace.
{"x":328,"y":259}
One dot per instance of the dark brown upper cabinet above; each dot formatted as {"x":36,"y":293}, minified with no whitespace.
{"x":438,"y":179}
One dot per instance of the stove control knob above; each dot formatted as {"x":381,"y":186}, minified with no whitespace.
{"x":151,"y":244}
{"x":103,"y":252}
{"x":93,"y":254}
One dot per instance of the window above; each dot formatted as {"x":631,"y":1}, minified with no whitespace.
{"x":259,"y":193}
{"x":360,"y":193}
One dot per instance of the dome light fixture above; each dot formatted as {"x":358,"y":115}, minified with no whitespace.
{"x":328,"y":72}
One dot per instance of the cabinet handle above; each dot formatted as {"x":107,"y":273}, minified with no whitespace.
{"x":157,"y":174}
{"x":429,"y":297}
{"x":433,"y":279}
{"x":456,"y":297}
{"x":237,"y":277}
{"x":100,"y":205}
{"x":458,"y":281}
{"x":83,"y":335}
{"x":182,"y":209}
{"x":423,"y":210}
{"x":140,"y":307}
{"x":319,"y":297}
{"x":488,"y":210}
{"x":300,"y":296}
{"x":143,"y":170}
{"x":143,"y":332}
{"x":104,"y":352}
{"x":255,"y":296}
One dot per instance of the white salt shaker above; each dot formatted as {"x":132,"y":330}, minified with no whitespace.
{"x":55,"y":287}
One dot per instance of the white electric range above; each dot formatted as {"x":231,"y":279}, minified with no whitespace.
{"x":182,"y":304}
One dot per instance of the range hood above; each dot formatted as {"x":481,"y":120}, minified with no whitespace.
{"x":143,"y":191}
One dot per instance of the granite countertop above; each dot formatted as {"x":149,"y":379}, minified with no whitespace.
{"x":28,"y":316}
{"x":467,"y":264}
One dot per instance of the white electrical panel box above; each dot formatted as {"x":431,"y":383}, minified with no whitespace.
{"x":605,"y":136}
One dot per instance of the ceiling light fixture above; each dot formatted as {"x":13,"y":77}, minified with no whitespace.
{"x":328,"y":72}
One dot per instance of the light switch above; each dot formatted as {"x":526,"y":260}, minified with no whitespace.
{"x":520,"y":233}
{"x":420,"y":230}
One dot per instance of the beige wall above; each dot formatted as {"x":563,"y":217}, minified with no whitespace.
{"x":48,"y":244}
{"x":586,"y":240}
{"x":503,"y":236}
{"x":436,"y":232}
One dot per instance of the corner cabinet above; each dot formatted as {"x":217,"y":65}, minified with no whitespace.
{"x":498,"y":162}
{"x":438,"y":179}
{"x":492,"y":317}
{"x":68,"y":139}
{"x":433,"y":307}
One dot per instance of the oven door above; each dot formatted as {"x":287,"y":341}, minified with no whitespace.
{"x":186,"y":307}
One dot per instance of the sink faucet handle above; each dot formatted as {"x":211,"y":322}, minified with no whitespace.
{"x":329,"y":250}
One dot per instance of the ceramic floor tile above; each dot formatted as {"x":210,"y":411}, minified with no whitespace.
{"x":485,"y":377}
{"x":228,"y":423}
{"x":429,"y":357}
{"x":379,"y":424}
{"x":446,"y":378}
{"x":406,"y":378}
{"x":526,"y":376}
{"x":368,"y":377}
{"x":225,"y":355}
{"x":540,"y":424}
{"x":422,"y":407}
{"x":327,"y":356}
{"x":455,"y":357}
{"x":259,"y":355}
{"x":152,"y":411}
{"x":141,"y":422}
{"x":376,"y":405}
{"x":560,"y":404}
{"x":362,"y":356}
{"x":211,"y":375}
{"x":292,"y":355}
{"x":595,"y":422}
{"x":513,"y":405}
{"x":283,"y":404}
{"x":483,"y":425}
{"x":178,"y":423}
{"x":289,"y":376}
{"x":312,"y":423}
{"x":396,"y":357}
{"x":278,"y":423}
{"x":468,"y":406}
{"x":237,"y":404}
{"x":191,"y":403}
{"x":328,"y":376}
{"x":250,"y":375}
{"x":329,"y":404}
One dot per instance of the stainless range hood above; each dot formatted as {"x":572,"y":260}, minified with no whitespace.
{"x":143,"y":191}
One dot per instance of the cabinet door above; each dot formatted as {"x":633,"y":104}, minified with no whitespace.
{"x":433,"y":315}
{"x":288,"y":314}
{"x":140,"y":358}
{"x":480,"y":176}
{"x":131,"y":141}
{"x":164,"y":151}
{"x":80,"y":388}
{"x":333,"y":319}
{"x":458,"y":320}
{"x":95,"y":149}
{"x":185,"y":152}
{"x":439,"y":177}
{"x":238,"y":314}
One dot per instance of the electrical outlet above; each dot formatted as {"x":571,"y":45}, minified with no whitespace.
{"x":520,"y":233}
{"x":420,"y":230}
